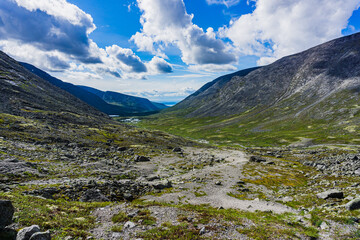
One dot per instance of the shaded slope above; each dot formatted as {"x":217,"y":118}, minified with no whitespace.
{"x":88,"y":97}
{"x":134,"y":104}
{"x":25,"y":94}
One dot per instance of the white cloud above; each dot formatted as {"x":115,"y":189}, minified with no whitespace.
{"x":159,"y":65}
{"x":278,"y":28}
{"x":167,"y":23}
{"x":227,"y":3}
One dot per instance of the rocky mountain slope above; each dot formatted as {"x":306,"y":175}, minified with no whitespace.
{"x":25,"y":94}
{"x":311,"y":95}
{"x":131,"y":103}
{"x":111,"y":103}
{"x":301,"y":82}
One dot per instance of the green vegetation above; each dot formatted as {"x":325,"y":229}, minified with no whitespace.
{"x":63,"y":218}
{"x":277,"y":225}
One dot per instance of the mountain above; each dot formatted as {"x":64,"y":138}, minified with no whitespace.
{"x":25,"y":94}
{"x":310,"y":95}
{"x":118,"y":104}
{"x":133,"y":104}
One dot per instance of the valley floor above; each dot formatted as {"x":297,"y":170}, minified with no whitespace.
{"x":110,"y":188}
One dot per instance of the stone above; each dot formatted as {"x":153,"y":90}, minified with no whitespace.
{"x":177,"y":149}
{"x":6,"y":213}
{"x":8,"y":234}
{"x":41,"y":236}
{"x":93,"y":195}
{"x":129,"y":225}
{"x":141,"y":159}
{"x":353,"y":205}
{"x":152,"y":177}
{"x":161,"y":184}
{"x":202,"y":231}
{"x":26,"y":233}
{"x":257,"y":159}
{"x":218,"y":183}
{"x":331,"y":194}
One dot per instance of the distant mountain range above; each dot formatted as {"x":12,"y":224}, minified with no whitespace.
{"x":315,"y":94}
{"x":111,"y":103}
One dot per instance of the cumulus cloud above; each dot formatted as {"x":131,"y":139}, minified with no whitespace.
{"x":167,"y":23}
{"x":127,"y":57}
{"x":47,"y":26}
{"x":277,"y":27}
{"x":227,"y":3}
{"x":159,"y":65}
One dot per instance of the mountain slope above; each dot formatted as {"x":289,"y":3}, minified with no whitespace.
{"x":25,"y":94}
{"x":307,"y":76}
{"x":311,"y":95}
{"x":89,"y":97}
{"x":134,"y":104}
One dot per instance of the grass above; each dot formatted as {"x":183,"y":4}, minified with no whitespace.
{"x":278,"y":225}
{"x":61,"y":217}
{"x":143,"y":216}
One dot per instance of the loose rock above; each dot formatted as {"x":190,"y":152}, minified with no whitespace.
{"x":330,"y":194}
{"x":6,"y":213}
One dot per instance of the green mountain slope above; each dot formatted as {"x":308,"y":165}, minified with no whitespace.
{"x":311,"y":97}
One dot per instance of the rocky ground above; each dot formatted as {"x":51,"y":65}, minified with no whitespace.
{"x":103,"y":188}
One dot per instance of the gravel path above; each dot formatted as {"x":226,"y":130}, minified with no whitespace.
{"x":205,"y":182}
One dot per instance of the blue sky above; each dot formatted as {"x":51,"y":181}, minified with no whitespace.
{"x":165,"y":50}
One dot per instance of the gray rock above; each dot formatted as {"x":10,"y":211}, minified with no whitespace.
{"x":129,"y":225}
{"x":41,"y":236}
{"x":177,"y":149}
{"x":330,"y":194}
{"x":218,"y":183}
{"x":257,"y":159}
{"x":161,"y":184}
{"x":93,"y":195}
{"x":202,"y":231}
{"x":141,"y":159}
{"x":152,"y":177}
{"x":6,"y":213}
{"x":8,"y":234}
{"x":26,"y":233}
{"x":353,"y":205}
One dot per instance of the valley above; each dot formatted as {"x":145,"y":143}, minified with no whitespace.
{"x":263,"y":153}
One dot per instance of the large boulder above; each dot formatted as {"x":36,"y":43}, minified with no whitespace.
{"x":330,"y":194}
{"x":257,"y":159}
{"x":41,"y":236}
{"x":6,"y":213}
{"x":26,"y":233}
{"x":353,"y":205}
{"x":141,"y":159}
{"x":93,"y":195}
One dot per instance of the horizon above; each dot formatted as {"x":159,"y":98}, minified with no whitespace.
{"x":164,"y":51}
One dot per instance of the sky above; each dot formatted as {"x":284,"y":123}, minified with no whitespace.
{"x":165,"y":50}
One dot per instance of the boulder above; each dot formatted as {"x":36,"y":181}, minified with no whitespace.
{"x":330,"y":194}
{"x":141,"y":159}
{"x":8,"y":234}
{"x":26,"y":233}
{"x":257,"y":159}
{"x":41,"y":236}
{"x":93,"y":195}
{"x":161,"y":184}
{"x":6,"y":213}
{"x":177,"y":150}
{"x":353,"y":205}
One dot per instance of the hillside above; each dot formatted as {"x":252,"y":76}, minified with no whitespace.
{"x":110,"y":103}
{"x":311,"y":95}
{"x":131,"y":103}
